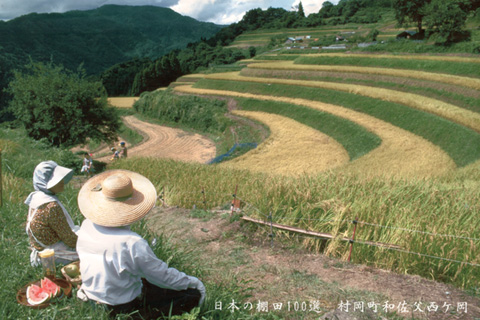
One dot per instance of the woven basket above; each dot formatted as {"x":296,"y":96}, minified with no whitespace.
{"x":74,"y":281}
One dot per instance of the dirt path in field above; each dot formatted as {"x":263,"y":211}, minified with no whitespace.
{"x":285,"y":272}
{"x":400,"y":154}
{"x":166,"y":142}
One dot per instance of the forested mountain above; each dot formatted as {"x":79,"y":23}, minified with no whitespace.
{"x":97,"y":38}
{"x":102,"y":37}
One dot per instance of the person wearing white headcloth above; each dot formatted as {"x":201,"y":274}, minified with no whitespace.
{"x":118,"y":267}
{"x":49,"y":225}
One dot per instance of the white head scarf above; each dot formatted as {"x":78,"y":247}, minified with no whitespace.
{"x":47,"y":174}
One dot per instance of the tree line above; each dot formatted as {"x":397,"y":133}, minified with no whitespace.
{"x":139,"y":75}
{"x":444,"y":19}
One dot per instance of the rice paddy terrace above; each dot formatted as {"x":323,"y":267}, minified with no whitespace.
{"x":394,"y":115}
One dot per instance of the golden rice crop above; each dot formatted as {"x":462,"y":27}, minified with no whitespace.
{"x":194,"y":75}
{"x":446,"y":110}
{"x":392,"y":56}
{"x":291,"y":149}
{"x":422,"y":75}
{"x":122,"y":102}
{"x":401,"y":153}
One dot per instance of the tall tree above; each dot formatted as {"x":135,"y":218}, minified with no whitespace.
{"x":61,"y":106}
{"x":327,"y":10}
{"x":445,"y":20}
{"x":410,"y":11}
{"x":300,"y":11}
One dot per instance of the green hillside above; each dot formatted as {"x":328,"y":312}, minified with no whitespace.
{"x":102,"y":37}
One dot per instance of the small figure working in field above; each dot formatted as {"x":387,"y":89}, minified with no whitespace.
{"x":115,"y":155}
{"x":87,"y":166}
{"x":49,"y":226}
{"x":123,"y":150}
{"x":118,"y":267}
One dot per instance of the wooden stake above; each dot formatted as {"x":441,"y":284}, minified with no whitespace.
{"x":204,"y":199}
{"x":270,"y":217}
{"x":163,"y":196}
{"x":234,"y":200}
{"x":353,"y":238}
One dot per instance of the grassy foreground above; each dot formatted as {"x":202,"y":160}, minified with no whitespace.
{"x":441,"y":213}
{"x":20,"y":155}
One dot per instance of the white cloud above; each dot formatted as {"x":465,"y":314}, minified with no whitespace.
{"x":217,"y":11}
{"x":225,"y":11}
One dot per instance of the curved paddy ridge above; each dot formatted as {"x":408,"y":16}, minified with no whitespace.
{"x":401,"y":152}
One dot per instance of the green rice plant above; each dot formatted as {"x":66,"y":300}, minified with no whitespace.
{"x":355,"y":139}
{"x":459,"y":142}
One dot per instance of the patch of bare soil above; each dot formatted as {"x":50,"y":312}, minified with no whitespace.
{"x":287,"y":274}
{"x":166,"y":142}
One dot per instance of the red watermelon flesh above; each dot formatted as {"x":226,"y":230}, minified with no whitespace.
{"x":37,"y":295}
{"x":50,"y":287}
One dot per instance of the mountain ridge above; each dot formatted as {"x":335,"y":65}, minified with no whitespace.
{"x":102,"y":37}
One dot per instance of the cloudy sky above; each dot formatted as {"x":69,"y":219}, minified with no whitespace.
{"x":217,"y":11}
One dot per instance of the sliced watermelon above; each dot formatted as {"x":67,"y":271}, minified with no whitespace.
{"x":37,"y":295}
{"x":50,"y":287}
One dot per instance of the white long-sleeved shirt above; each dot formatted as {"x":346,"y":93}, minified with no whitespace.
{"x":113,"y":261}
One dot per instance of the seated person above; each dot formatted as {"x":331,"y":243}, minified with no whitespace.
{"x":49,"y":226}
{"x":118,"y":267}
{"x":115,"y":154}
{"x":123,"y":150}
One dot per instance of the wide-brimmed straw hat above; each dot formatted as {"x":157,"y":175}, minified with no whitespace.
{"x":116,"y":198}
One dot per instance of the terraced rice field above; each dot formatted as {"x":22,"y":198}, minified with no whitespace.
{"x":447,"y":106}
{"x":400,"y":154}
{"x":421,"y":75}
{"x":318,"y":151}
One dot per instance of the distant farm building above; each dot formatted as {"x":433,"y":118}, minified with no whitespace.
{"x":411,"y":35}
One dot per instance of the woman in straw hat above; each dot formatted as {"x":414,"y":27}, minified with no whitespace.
{"x":49,"y":226}
{"x":118,"y":267}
